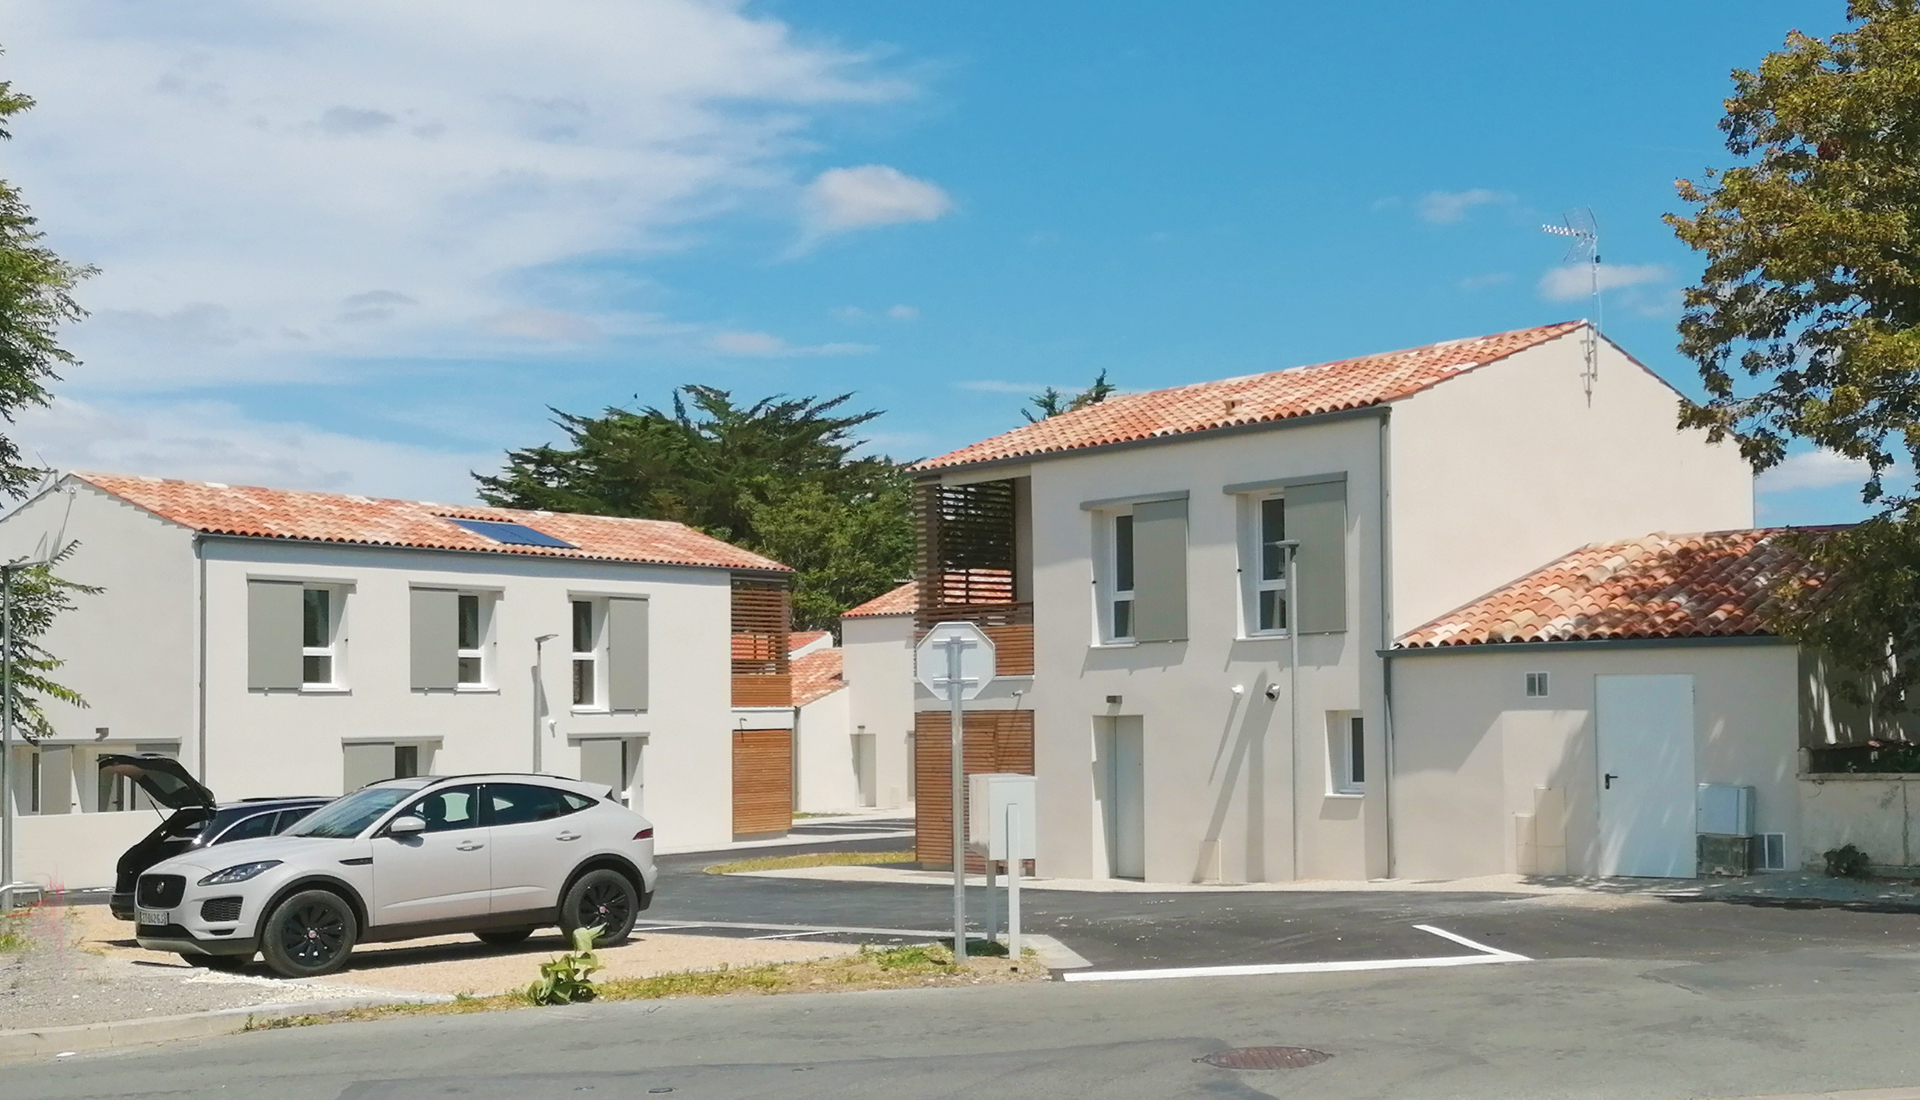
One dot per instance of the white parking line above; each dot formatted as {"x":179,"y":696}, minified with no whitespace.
{"x":1483,"y":954}
{"x":792,"y":935}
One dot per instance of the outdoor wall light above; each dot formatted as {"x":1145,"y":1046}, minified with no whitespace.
{"x":1239,"y":689}
{"x":1113,"y":700}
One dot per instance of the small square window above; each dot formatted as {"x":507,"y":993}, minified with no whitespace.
{"x":470,"y":639}
{"x":1536,"y":685}
{"x":1346,"y":754}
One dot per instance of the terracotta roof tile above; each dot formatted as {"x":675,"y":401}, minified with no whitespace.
{"x":901,"y":601}
{"x":1716,"y":584}
{"x":816,"y":676}
{"x":1280,"y":395}
{"x":800,"y":639}
{"x":217,"y":509}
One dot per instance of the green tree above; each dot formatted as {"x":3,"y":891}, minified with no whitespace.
{"x":36,"y":298}
{"x":777,"y":476}
{"x":1051,"y":402}
{"x":39,"y":595}
{"x":1806,"y":323}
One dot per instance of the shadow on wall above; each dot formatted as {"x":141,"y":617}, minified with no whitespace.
{"x":1236,"y":755}
{"x":1828,"y":718}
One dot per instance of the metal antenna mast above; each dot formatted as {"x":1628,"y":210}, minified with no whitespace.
{"x":1584,"y":232}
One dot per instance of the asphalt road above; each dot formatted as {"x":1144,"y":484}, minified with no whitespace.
{"x":1797,"y":1021}
{"x":1140,"y":931}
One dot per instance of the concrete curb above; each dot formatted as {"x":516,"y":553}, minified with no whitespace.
{"x":48,"y":1042}
{"x":1057,"y":957}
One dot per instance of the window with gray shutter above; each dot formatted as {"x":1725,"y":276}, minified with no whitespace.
{"x":435,"y":634}
{"x":627,"y":655}
{"x":1160,"y":571}
{"x":1317,"y":520}
{"x":364,"y":764}
{"x":274,"y":621}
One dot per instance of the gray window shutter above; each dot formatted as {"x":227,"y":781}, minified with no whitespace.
{"x":366,"y":764}
{"x":436,"y":633}
{"x":273,"y":635}
{"x":601,"y":762}
{"x":1317,"y":519}
{"x":1160,"y":571}
{"x":626,"y":654}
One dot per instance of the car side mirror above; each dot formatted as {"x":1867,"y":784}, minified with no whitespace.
{"x":406,"y":825}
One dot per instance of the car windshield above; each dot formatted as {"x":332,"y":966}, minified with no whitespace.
{"x":348,"y":816}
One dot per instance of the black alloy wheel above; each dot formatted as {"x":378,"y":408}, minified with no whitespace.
{"x":308,"y":934}
{"x":603,"y":898}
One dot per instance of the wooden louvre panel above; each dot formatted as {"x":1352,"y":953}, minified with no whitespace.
{"x":995,"y":741}
{"x":273,"y":635}
{"x":762,"y":622}
{"x":1012,"y":648}
{"x":966,"y":543}
{"x":762,"y":781}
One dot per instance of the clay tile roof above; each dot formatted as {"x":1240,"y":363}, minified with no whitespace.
{"x":901,"y":601}
{"x":800,"y":639}
{"x":816,"y":676}
{"x":1280,"y":395}
{"x":1716,"y":584}
{"x":217,"y":509}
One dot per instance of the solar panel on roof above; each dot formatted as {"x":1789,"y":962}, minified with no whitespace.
{"x":513,"y":534}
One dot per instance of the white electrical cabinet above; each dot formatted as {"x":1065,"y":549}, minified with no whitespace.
{"x":1721,"y":809}
{"x":989,"y":797}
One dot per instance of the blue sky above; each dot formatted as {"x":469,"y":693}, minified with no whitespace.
{"x":363,"y":246}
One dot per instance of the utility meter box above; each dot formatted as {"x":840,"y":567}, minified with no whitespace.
{"x":1721,"y":809}
{"x":989,"y":797}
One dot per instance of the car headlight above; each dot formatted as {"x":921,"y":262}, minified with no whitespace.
{"x":238,"y":873}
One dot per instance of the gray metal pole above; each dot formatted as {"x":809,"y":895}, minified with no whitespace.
{"x":1015,"y":846}
{"x":6,"y":738}
{"x":956,"y":720}
{"x":1293,"y":709}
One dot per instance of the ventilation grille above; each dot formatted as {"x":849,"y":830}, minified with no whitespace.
{"x":160,"y":891}
{"x":220,"y":910}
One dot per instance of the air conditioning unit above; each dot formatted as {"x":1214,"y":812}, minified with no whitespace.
{"x":1721,"y":809}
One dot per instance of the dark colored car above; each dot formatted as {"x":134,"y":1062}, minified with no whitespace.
{"x":197,"y":820}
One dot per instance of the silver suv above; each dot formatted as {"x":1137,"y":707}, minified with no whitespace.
{"x":496,"y":855}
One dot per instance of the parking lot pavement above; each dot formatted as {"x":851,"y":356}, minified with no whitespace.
{"x":1228,"y":928}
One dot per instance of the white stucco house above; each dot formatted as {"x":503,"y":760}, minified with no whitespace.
{"x":1197,"y":595}
{"x":285,"y":643}
{"x":876,"y":642}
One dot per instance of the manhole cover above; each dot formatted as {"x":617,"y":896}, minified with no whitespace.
{"x":1265,"y":1058}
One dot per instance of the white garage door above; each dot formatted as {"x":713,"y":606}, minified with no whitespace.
{"x":1645,"y":732}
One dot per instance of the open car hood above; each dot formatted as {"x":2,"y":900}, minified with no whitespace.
{"x":164,"y":779}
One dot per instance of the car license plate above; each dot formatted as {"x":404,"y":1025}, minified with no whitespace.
{"x":158,"y":918}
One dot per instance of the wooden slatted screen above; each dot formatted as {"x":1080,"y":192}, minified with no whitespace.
{"x":995,"y":741}
{"x":965,"y":543}
{"x":762,"y":619}
{"x":762,"y":781}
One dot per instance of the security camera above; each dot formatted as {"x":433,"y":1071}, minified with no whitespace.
{"x":1273,"y":691}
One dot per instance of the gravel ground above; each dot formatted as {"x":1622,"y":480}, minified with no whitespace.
{"x":84,"y":967}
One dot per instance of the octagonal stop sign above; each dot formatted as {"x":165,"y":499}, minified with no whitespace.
{"x":932,"y":656}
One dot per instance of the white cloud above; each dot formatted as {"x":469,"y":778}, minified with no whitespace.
{"x":872,"y":195}
{"x":1574,"y":281}
{"x":243,"y":172}
{"x":1819,"y":469}
{"x":767,"y":345}
{"x":213,"y":441}
{"x":849,"y":314}
{"x":1441,"y":207}
{"x":904,"y":313}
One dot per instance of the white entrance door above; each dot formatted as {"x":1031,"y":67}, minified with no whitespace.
{"x":1121,"y":767}
{"x":1644,"y":726}
{"x":863,"y":769}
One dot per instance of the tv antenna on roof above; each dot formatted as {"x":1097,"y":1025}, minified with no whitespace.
{"x":1584,"y":234}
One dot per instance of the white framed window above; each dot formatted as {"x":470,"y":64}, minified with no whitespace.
{"x":1346,"y":754}
{"x":473,"y":615}
{"x":1537,"y":685}
{"x":321,"y":610}
{"x":1120,"y":571}
{"x":588,"y":627}
{"x":1267,"y":587}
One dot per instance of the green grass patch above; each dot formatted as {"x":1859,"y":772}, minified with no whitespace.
{"x":13,"y":931}
{"x":814,"y":859}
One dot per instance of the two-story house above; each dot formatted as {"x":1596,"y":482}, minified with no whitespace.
{"x":1193,"y":590}
{"x":284,"y":643}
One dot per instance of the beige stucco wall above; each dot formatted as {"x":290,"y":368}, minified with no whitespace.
{"x":1878,"y":814}
{"x":1219,"y":772}
{"x":1504,"y":468}
{"x":1469,"y":747}
{"x":824,"y":778}
{"x":877,"y":665}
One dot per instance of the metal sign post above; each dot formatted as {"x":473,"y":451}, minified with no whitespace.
{"x":969,"y":668}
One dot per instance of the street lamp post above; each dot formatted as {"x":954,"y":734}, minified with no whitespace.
{"x":539,"y":643}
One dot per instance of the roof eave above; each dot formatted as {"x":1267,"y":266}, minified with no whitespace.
{"x":1637,"y":642}
{"x":782,"y":571}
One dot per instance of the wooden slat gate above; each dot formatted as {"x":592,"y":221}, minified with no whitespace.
{"x":995,"y":741}
{"x":762,"y":781}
